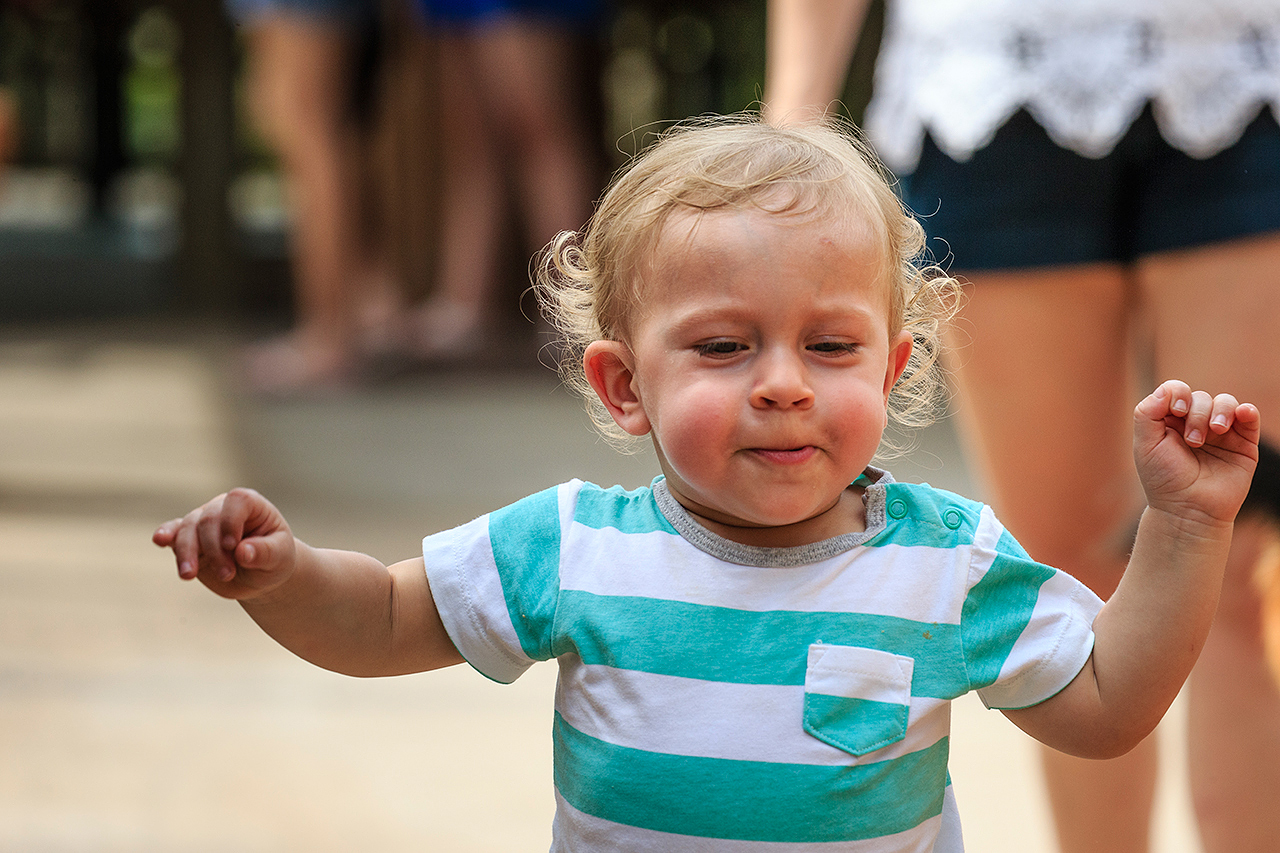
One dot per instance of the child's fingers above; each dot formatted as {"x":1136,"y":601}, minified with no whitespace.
{"x":1195,"y":427}
{"x":246,"y":513}
{"x":1223,"y":413}
{"x":1196,"y":415}
{"x":1180,"y":397}
{"x":1159,"y":411}
{"x":263,"y":551}
{"x":238,"y":507}
{"x":163,"y":535}
{"x":212,"y":544}
{"x":1248,"y":422}
{"x":1172,"y":397}
{"x":186,"y":548}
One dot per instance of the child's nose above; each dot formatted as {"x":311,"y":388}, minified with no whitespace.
{"x":782,"y":383}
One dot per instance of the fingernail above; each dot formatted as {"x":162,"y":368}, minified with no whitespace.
{"x":226,"y":574}
{"x":249,"y":553}
{"x":1220,"y":421}
{"x":1194,"y":437}
{"x":185,"y":570}
{"x":1179,"y":407}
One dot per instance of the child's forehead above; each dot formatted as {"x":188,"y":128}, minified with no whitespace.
{"x":683,"y":222}
{"x":700,"y":247}
{"x":691,"y":234}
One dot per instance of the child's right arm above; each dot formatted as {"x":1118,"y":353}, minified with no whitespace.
{"x":1195,"y":455}
{"x":340,"y":610}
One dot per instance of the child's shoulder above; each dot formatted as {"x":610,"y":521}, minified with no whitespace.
{"x":921,"y":511}
{"x":584,"y":503}
{"x":626,"y":510}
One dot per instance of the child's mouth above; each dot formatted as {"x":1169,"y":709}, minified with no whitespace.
{"x":787,"y":456}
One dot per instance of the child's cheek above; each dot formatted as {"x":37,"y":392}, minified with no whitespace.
{"x":699,"y":428}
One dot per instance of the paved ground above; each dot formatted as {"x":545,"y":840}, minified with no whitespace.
{"x":139,"y":713}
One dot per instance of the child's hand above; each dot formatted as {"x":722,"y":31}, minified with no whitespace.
{"x":1195,"y":453}
{"x":237,"y":544}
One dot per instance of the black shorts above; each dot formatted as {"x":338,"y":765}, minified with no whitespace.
{"x":1024,"y":201}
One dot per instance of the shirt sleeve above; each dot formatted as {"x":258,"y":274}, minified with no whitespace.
{"x":1027,"y":628}
{"x":495,"y":582}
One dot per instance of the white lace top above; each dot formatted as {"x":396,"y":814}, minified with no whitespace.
{"x":1083,"y":68}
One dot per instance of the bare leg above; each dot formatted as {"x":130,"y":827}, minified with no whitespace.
{"x":1216,"y":316}
{"x":1234,"y":719}
{"x":1102,"y":805}
{"x":473,"y":212}
{"x":510,"y":99}
{"x":1044,"y":379}
{"x":299,"y":78}
{"x":534,"y":99}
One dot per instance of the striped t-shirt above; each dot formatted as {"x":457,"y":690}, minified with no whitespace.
{"x":721,"y":697}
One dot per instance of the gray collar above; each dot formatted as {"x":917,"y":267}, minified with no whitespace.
{"x":873,"y":479}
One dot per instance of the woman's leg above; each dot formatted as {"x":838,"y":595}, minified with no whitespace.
{"x":1043,"y":372}
{"x":300,"y":84}
{"x":521,"y":118}
{"x":473,"y":211}
{"x":534,"y":99}
{"x":1216,"y":319}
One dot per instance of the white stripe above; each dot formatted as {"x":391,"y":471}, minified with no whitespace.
{"x":577,"y":832}
{"x":567,"y":502}
{"x":983,"y":552}
{"x":467,"y":590}
{"x":924,"y":584}
{"x":1043,"y":661}
{"x":989,"y":531}
{"x":745,"y":722}
{"x":857,"y":673}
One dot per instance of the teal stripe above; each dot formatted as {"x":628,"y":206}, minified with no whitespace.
{"x":744,"y":646}
{"x":748,"y":800}
{"x":631,"y":512}
{"x":525,"y":538}
{"x":923,"y":516}
{"x":998,"y":609}
{"x":858,"y":726}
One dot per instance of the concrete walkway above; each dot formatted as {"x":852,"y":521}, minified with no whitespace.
{"x":139,"y":713}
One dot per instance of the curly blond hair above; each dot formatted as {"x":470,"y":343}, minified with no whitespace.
{"x":588,"y":282}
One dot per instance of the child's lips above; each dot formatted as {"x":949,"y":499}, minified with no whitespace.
{"x":788,"y":456}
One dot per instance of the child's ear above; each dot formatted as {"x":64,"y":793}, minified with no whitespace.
{"x":610,"y":368}
{"x":899,"y":354}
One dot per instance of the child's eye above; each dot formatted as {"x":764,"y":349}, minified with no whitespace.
{"x":719,"y":349}
{"x":834,"y":347}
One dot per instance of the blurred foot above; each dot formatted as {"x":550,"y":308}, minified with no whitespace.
{"x":381,"y":318}
{"x":443,"y":330}
{"x":293,"y":366}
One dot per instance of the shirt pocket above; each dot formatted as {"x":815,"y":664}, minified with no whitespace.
{"x":857,"y":699}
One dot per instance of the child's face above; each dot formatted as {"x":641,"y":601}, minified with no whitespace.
{"x":761,"y":363}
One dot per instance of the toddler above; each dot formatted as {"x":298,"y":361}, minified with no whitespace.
{"x":758,"y":651}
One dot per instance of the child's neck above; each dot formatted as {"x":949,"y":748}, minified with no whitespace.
{"x":847,"y":515}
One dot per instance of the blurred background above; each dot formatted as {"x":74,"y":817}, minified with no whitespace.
{"x":145,"y":241}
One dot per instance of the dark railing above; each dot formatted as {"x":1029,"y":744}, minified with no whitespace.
{"x":132,"y":145}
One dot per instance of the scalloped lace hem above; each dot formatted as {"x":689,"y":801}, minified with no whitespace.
{"x":1085,"y":78}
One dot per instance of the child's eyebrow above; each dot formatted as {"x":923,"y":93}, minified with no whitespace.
{"x":732,"y":312}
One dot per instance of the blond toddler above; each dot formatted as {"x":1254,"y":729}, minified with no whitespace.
{"x":758,"y":651}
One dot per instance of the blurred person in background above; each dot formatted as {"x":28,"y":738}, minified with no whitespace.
{"x":1095,"y":169}
{"x":513,"y":125}
{"x":301,"y":71}
{"x":9,"y":126}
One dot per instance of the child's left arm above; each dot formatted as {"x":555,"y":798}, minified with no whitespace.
{"x":1195,"y":456}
